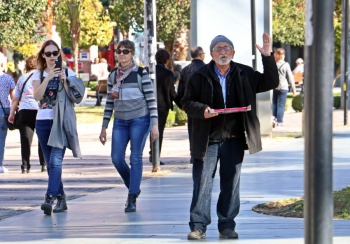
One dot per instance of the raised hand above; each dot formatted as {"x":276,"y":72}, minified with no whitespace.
{"x":267,"y":47}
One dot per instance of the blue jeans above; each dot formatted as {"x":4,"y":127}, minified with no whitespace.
{"x":231,"y":154}
{"x":3,"y":132}
{"x":53,"y":157}
{"x":135,"y":131}
{"x":279,"y":104}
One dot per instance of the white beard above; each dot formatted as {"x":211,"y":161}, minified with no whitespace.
{"x":223,"y":62}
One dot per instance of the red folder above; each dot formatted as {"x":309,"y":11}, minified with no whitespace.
{"x":231,"y":110}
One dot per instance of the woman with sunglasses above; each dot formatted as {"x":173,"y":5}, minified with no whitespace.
{"x":50,"y":87}
{"x":132,"y":98}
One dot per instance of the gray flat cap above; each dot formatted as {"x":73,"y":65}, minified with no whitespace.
{"x":219,"y":38}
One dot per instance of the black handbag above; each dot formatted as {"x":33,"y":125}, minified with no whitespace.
{"x":16,"y":121}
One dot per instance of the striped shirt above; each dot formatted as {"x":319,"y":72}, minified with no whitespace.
{"x":136,"y":98}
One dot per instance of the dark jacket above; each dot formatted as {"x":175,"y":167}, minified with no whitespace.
{"x":242,"y":85}
{"x":186,"y":74}
{"x":166,"y":93}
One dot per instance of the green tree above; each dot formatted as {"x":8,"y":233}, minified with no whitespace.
{"x":128,"y":14}
{"x":20,"y":20}
{"x":82,"y":24}
{"x":172,"y":17}
{"x":95,"y":27}
{"x":288,"y":20}
{"x":288,"y":23}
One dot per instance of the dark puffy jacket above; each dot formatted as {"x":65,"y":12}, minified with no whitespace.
{"x":246,"y":82}
{"x":186,"y":74}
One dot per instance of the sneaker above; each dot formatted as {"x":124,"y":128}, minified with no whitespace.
{"x":3,"y":169}
{"x":279,"y":126}
{"x":229,"y":234}
{"x":196,"y":235}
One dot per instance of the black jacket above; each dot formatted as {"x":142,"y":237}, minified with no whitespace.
{"x":186,"y":74}
{"x":242,"y":85}
{"x":166,"y":93}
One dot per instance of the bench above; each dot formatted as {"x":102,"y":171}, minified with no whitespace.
{"x":101,"y":90}
{"x":298,"y":79}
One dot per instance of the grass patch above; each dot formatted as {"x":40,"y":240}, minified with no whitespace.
{"x":294,"y":207}
{"x":90,"y":115}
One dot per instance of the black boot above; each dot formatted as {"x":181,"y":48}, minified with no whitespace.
{"x":47,"y":205}
{"x":131,"y":203}
{"x":61,"y":204}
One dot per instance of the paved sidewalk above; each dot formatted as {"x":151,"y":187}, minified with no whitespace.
{"x":97,"y":216}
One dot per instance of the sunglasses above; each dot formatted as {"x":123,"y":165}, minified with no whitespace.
{"x":54,"y":53}
{"x":124,"y":51}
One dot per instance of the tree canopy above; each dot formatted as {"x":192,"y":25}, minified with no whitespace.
{"x":95,"y":26}
{"x":172,"y":16}
{"x":288,"y":23}
{"x":21,"y":20}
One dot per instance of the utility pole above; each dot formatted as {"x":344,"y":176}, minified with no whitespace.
{"x":345,"y":56}
{"x":253,"y":30}
{"x":150,"y":49}
{"x":319,"y":60}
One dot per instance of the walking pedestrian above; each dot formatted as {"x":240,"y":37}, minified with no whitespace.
{"x":223,"y":84}
{"x":7,"y":86}
{"x":280,"y":93}
{"x":197,"y":55}
{"x":55,"y":120}
{"x":165,"y":94}
{"x":28,"y":108}
{"x":132,"y":99}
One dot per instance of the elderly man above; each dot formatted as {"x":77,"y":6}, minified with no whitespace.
{"x":197,"y":55}
{"x":223,"y":84}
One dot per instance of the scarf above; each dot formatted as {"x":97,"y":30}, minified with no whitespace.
{"x":122,"y":73}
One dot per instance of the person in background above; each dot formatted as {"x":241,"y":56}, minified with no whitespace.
{"x":166,"y":94}
{"x":102,"y":75}
{"x":300,"y":66}
{"x":177,"y":75}
{"x":222,"y":137}
{"x":280,"y":93}
{"x":55,"y":120}
{"x":132,"y":99}
{"x":28,"y":108}
{"x":7,"y":86}
{"x":69,"y":58}
{"x":197,"y":55}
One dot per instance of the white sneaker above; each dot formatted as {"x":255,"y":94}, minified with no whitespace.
{"x":3,"y":169}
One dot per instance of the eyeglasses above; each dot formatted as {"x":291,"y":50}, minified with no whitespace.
{"x":124,"y":51}
{"x":54,"y":53}
{"x":225,"y":48}
{"x":201,"y":53}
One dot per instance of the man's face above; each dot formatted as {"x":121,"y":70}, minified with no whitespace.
{"x":222,"y":53}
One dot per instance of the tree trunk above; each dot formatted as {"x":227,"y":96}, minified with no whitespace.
{"x":169,"y":46}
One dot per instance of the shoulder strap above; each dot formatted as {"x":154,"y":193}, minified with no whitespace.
{"x":24,"y":84}
{"x":281,"y":66}
{"x":139,"y":72}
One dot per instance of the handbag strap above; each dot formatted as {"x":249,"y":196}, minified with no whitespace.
{"x":20,"y":97}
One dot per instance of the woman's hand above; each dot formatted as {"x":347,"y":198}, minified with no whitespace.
{"x":103,"y":136}
{"x":53,"y":72}
{"x":154,"y":133}
{"x":11,"y":118}
{"x":267,"y":47}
